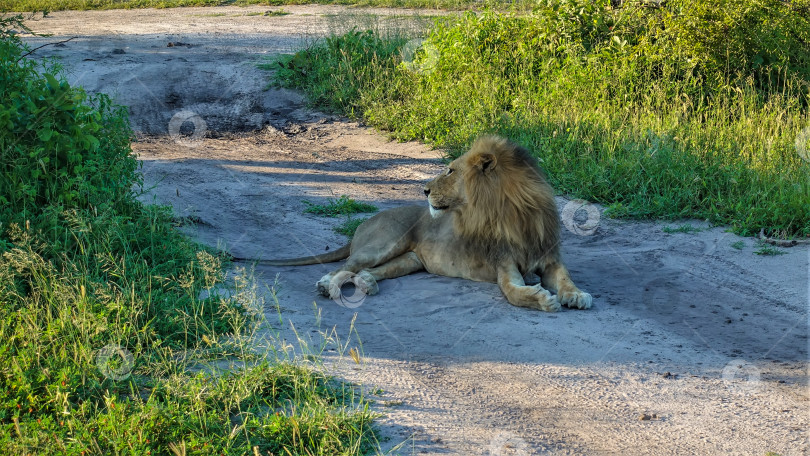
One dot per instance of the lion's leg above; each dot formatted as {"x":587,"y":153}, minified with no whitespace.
{"x":404,"y":264}
{"x":366,"y":279}
{"x":555,"y":277}
{"x":358,"y":267}
{"x":519,"y":294}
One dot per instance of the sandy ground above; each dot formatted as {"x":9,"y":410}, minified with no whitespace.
{"x":692,"y":346}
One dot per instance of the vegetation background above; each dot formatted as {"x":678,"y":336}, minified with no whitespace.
{"x":118,"y":335}
{"x":692,"y":109}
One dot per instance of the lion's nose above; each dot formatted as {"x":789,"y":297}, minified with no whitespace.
{"x":427,"y":191}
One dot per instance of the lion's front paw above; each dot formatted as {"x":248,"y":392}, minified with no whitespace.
{"x":545,"y":300}
{"x":366,"y":283}
{"x":552,"y":304}
{"x":576,"y":299}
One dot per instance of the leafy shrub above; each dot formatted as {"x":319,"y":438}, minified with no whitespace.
{"x":60,"y":149}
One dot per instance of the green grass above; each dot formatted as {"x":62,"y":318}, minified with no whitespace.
{"x":341,"y":206}
{"x":685,"y":228}
{"x":687,"y":111}
{"x":118,"y":335}
{"x":59,"y":5}
{"x":739,"y":245}
{"x":349,"y":226}
{"x":278,"y":12}
{"x":768,"y":250}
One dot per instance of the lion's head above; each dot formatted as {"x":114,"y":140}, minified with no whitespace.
{"x":499,"y":198}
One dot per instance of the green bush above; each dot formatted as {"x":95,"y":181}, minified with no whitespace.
{"x":336,"y":73}
{"x":60,"y":149}
{"x":688,"y":110}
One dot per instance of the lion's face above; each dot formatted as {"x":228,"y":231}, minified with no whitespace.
{"x":499,"y":197}
{"x":446,"y":192}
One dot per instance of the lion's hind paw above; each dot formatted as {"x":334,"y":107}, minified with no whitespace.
{"x":576,"y":299}
{"x":324,"y":286}
{"x":330,"y":285}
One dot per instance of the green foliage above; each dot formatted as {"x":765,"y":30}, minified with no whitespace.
{"x":54,"y":395}
{"x":278,"y":12}
{"x":106,"y":311}
{"x":637,"y":108}
{"x":685,"y":228}
{"x":739,"y":245}
{"x":60,"y":149}
{"x":341,"y":206}
{"x":335,"y":73}
{"x":767,"y":250}
{"x":348,"y":227}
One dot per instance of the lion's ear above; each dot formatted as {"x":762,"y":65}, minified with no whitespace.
{"x":484,"y":162}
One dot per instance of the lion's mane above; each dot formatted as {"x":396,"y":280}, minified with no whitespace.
{"x":510,"y":208}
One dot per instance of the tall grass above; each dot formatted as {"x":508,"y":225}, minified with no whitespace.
{"x":690,"y":110}
{"x":112,"y":324}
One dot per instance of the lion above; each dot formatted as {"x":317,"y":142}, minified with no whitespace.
{"x":490,"y":217}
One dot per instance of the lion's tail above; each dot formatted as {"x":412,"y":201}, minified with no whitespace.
{"x":328,"y":257}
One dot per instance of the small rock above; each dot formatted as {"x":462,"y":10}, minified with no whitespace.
{"x":118,"y":51}
{"x":647,"y":417}
{"x":669,"y":375}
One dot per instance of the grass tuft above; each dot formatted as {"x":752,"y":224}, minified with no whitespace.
{"x":768,"y":250}
{"x":276,"y":13}
{"x":349,"y":226}
{"x":341,"y":206}
{"x":685,"y":228}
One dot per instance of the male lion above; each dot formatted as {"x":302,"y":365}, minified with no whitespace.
{"x":491,"y":218}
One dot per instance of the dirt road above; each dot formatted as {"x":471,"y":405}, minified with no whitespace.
{"x":692,"y":347}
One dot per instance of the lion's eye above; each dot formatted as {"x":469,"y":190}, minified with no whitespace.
{"x":449,"y":171}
